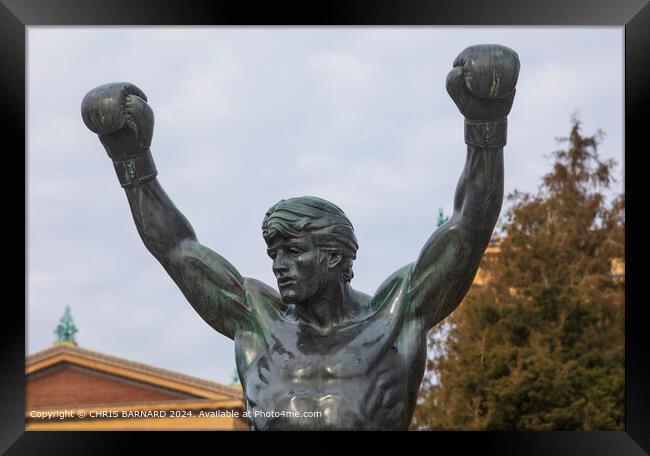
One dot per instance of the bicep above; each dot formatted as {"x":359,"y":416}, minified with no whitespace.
{"x":446,"y":267}
{"x":212,"y":286}
{"x":444,"y":271}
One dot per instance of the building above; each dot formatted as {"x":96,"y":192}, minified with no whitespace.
{"x":617,"y":271}
{"x":493,"y":248}
{"x":72,"y":388}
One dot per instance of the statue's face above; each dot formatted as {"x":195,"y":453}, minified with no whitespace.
{"x":300,"y":268}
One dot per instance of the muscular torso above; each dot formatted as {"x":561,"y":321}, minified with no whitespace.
{"x":363,"y":375}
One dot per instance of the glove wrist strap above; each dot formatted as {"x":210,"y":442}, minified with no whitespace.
{"x":486,"y":134}
{"x":135,"y":170}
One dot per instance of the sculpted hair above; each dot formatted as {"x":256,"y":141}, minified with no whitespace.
{"x":330,"y":227}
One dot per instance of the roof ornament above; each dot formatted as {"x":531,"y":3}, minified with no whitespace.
{"x":66,"y":329}
{"x":441,"y":218}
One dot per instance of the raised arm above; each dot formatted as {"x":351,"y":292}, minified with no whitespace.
{"x":120,"y":115}
{"x":482,"y":84}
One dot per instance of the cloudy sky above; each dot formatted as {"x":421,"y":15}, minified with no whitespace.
{"x":248,"y":116}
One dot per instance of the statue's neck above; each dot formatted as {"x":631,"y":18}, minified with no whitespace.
{"x":333,"y":307}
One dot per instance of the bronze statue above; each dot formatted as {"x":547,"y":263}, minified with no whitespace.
{"x":319,"y":354}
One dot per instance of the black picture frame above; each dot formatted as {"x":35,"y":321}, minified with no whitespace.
{"x":634,"y":15}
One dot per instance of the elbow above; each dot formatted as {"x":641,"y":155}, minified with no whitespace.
{"x":180,"y":252}
{"x":166,"y":247}
{"x":480,"y":217}
{"x":184,"y":246}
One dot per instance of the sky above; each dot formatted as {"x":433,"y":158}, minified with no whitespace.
{"x":246,"y":116}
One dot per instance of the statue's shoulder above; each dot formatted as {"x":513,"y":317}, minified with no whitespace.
{"x":393,"y":288}
{"x":261,"y":296}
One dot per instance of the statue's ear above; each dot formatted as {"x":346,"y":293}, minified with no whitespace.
{"x":334,"y":260}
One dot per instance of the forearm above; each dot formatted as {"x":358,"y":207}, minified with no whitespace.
{"x":479,"y":194}
{"x":160,"y":224}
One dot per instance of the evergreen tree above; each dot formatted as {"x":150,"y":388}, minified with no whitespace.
{"x":540,"y":346}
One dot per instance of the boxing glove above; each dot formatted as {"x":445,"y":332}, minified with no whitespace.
{"x":119,"y":114}
{"x":482,"y":81}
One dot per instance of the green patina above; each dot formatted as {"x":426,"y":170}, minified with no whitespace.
{"x":66,"y":329}
{"x":441,"y":218}
{"x":130,"y":170}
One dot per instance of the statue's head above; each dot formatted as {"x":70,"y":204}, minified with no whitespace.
{"x":312,"y":243}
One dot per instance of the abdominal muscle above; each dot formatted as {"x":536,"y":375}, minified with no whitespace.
{"x":334,"y":392}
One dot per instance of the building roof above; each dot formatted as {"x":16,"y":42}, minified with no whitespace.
{"x":74,"y":355}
